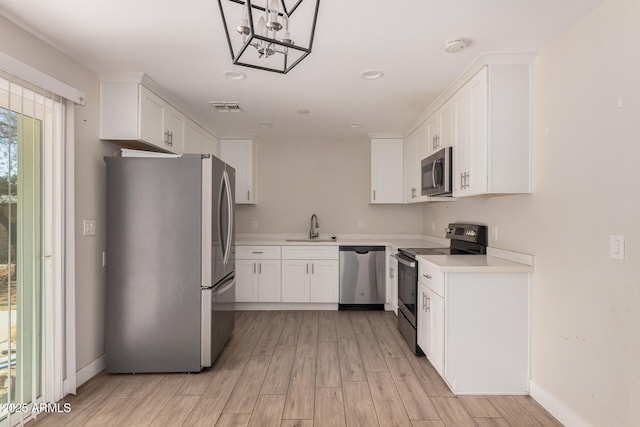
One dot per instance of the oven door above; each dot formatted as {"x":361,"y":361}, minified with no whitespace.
{"x":436,"y":173}
{"x":407,"y":287}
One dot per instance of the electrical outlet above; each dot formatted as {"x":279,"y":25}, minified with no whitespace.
{"x":433,"y":225}
{"x":616,"y":247}
{"x":89,"y":227}
{"x":254,"y":224}
{"x":362,"y":224}
{"x":494,"y":233}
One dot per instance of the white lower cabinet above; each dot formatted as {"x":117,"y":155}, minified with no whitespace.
{"x":431,"y":330}
{"x":258,"y":280}
{"x":474,"y":329}
{"x":295,"y":280}
{"x":310,"y":281}
{"x":310,"y":274}
{"x":324,"y":281}
{"x":258,"y":274}
{"x":287,"y":274}
{"x":392,"y":283}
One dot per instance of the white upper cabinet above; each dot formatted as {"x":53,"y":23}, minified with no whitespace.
{"x":440,"y":128}
{"x":415,"y":149}
{"x":134,"y":113}
{"x":199,"y":141}
{"x":211,"y":145}
{"x":240,"y":154}
{"x":387,"y":171}
{"x":492,"y":117}
{"x":193,"y":138}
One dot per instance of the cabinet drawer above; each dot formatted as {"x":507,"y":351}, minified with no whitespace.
{"x":309,"y":252}
{"x":257,"y":252}
{"x":433,"y":278}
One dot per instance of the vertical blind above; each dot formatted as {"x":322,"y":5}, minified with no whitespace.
{"x":31,"y":125}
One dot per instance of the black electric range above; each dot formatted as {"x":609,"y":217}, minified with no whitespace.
{"x":466,"y":239}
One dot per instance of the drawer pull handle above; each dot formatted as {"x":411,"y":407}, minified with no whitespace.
{"x":257,"y":252}
{"x":427,"y":276}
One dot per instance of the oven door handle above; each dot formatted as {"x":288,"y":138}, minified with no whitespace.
{"x":404,"y":261}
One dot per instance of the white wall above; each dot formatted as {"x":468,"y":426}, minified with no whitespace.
{"x":585,"y":307}
{"x":297,"y":178}
{"x":90,"y":181}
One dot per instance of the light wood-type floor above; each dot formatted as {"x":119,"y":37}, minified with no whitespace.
{"x":298,"y":369}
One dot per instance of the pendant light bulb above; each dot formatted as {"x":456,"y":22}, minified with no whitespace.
{"x":272,"y":16}
{"x":286,"y":38}
{"x":243,"y":28}
{"x":264,"y":48}
{"x":262,"y":28}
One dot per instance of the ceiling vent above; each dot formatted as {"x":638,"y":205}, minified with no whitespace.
{"x":226,"y":107}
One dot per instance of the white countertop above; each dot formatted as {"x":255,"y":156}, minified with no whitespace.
{"x":394,"y":242}
{"x":474,"y":264}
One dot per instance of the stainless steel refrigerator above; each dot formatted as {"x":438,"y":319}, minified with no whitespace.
{"x":170,"y":262}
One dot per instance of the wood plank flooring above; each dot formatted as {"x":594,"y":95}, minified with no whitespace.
{"x":298,"y":369}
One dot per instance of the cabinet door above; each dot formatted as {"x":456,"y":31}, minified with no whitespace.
{"x":246,"y":281}
{"x":269,"y":289}
{"x":423,"y":320}
{"x":461,"y":119}
{"x":393,"y":275}
{"x":240,"y":155}
{"x":446,"y":125}
{"x":151,"y":127}
{"x":211,"y":145}
{"x":193,"y":139}
{"x":174,"y":122}
{"x":477,"y":182}
{"x":387,"y":169}
{"x":421,"y":153}
{"x":435,"y":307}
{"x":433,"y":132}
{"x":325,"y":281}
{"x":295,"y":280}
{"x":411,"y":173}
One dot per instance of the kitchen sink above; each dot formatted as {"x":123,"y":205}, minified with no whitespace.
{"x":311,"y":240}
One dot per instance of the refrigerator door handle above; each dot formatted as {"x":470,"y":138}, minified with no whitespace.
{"x":227,"y":251}
{"x":225,"y":288}
{"x":223,"y":245}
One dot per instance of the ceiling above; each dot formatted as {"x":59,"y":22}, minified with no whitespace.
{"x":182,"y":46}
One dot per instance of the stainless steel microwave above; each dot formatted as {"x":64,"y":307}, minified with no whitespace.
{"x":437,"y":173}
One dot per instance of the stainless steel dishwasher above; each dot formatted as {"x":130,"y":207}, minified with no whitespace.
{"x":362,"y":278}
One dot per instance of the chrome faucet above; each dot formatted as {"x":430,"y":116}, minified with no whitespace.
{"x":313,"y":229}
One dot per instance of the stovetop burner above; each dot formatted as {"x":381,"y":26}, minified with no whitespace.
{"x":425,"y":251}
{"x":466,"y":239}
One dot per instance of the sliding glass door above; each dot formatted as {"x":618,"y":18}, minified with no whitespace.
{"x":29,"y":120}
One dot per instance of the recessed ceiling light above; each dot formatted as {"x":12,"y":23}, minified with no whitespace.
{"x":304,"y":111}
{"x":354,"y":125}
{"x":372,"y":74}
{"x":235,"y":75}
{"x":265,"y":125}
{"x":456,"y":45}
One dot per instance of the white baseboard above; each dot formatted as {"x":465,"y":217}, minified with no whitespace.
{"x":90,"y":371}
{"x":555,"y":407}
{"x":270,"y":306}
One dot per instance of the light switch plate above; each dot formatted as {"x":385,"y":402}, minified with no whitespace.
{"x":494,"y":233}
{"x":89,"y":227}
{"x":616,"y":247}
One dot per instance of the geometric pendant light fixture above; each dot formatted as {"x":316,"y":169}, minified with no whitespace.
{"x":271,"y":35}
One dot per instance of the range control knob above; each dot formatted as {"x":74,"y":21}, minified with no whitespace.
{"x":448,"y":231}
{"x":471,"y":233}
